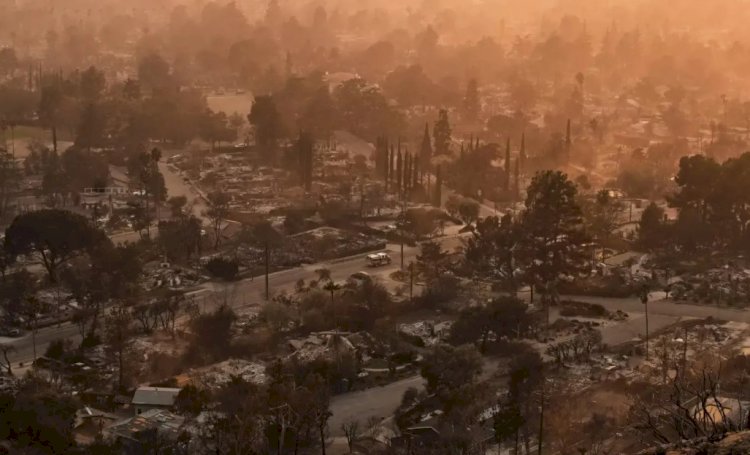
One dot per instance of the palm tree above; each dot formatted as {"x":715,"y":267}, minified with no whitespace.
{"x":332,"y":287}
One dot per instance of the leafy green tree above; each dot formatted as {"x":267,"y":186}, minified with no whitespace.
{"x":468,"y":211}
{"x":264,"y":116}
{"x":14,"y":290}
{"x":437,"y":196}
{"x":691,"y":231}
{"x":10,"y":177}
{"x":410,"y":86}
{"x":697,"y":178}
{"x":191,"y":400}
{"x":37,"y":419}
{"x":442,"y":134}
{"x":602,"y":215}
{"x":180,"y":238}
{"x":154,"y":73}
{"x":177,"y":205}
{"x":554,"y":232}
{"x":430,"y":259}
{"x":504,"y":316}
{"x":82,"y":168}
{"x":92,"y":84}
{"x":447,"y":368}
{"x":365,"y":111}
{"x":652,"y":232}
{"x":451,"y":373}
{"x":214,"y":127}
{"x":91,"y":131}
{"x":471,"y":100}
{"x":224,"y":268}
{"x":495,"y":249}
{"x":320,"y":117}
{"x":305,"y":152}
{"x":56,"y":236}
{"x":425,"y":152}
{"x":523,"y":93}
{"x":419,"y":222}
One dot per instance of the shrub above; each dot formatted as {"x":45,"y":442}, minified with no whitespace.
{"x":412,"y":339}
{"x":583,"y":310}
{"x":223,"y":268}
{"x":56,"y":350}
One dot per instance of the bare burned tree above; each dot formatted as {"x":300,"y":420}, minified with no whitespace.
{"x":6,"y":349}
{"x":351,"y":432}
{"x":689,"y":407}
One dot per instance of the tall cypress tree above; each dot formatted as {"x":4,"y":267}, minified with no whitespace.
{"x":442,"y":133}
{"x":399,"y":170}
{"x":522,"y":153}
{"x":568,"y":143}
{"x":507,"y":165}
{"x":471,"y":100}
{"x":437,"y":197}
{"x":517,"y":180}
{"x":379,"y":167}
{"x":386,"y":162}
{"x":425,"y":152}
{"x":391,"y":165}
{"x":415,"y":172}
{"x":407,"y":171}
{"x":305,"y":146}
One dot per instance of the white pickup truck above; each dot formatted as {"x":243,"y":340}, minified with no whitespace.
{"x":378,"y":259}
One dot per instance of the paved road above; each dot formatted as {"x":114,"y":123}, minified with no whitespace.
{"x":667,"y":308}
{"x":383,"y":401}
{"x":379,"y":402}
{"x":176,"y":186}
{"x":247,"y":293}
{"x":661,"y":313}
{"x":251,"y":292}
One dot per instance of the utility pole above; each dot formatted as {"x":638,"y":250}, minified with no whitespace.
{"x":362,"y":201}
{"x":411,"y":282}
{"x":541,"y":418}
{"x":268,"y":258}
{"x":644,"y":300}
{"x":403,"y":220}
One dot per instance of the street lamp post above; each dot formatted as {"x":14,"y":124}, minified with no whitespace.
{"x":411,"y":282}
{"x":644,"y":300}
{"x":403,"y":221}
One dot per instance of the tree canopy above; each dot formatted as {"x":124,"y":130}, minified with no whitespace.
{"x":54,"y":235}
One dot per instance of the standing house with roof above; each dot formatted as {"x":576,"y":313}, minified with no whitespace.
{"x":147,"y":398}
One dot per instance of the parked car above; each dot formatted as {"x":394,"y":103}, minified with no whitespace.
{"x":10,"y":332}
